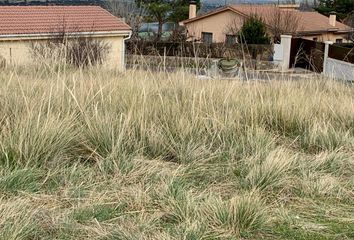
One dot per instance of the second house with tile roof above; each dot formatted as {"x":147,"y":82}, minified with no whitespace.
{"x":221,"y":24}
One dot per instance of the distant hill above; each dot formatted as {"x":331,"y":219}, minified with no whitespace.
{"x":222,"y":2}
{"x":211,"y":4}
{"x":208,"y":5}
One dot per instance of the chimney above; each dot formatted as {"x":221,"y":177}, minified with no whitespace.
{"x":332,"y":19}
{"x":192,"y":9}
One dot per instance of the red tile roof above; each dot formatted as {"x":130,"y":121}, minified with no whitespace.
{"x":314,"y":21}
{"x":55,"y":19}
{"x":307,"y":21}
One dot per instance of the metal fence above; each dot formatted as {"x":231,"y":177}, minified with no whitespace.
{"x":341,"y":53}
{"x":307,"y":54}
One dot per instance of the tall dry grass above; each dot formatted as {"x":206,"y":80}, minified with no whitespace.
{"x":141,"y":155}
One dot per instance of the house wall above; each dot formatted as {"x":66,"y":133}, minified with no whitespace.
{"x":116,"y":56}
{"x":327,"y":37}
{"x":217,"y":24}
{"x":18,"y":52}
{"x":15,"y":52}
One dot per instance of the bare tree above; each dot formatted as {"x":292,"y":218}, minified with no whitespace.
{"x":307,"y":5}
{"x":283,"y":22}
{"x":278,"y":21}
{"x":132,"y":14}
{"x":233,"y":27}
{"x":349,"y":20}
{"x":66,"y":45}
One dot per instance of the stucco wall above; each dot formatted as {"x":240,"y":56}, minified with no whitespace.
{"x":327,"y":37}
{"x":15,"y":52}
{"x":18,"y":52}
{"x":115,"y":58}
{"x":217,"y":24}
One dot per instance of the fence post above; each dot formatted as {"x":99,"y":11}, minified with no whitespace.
{"x":286,"y":43}
{"x":325,"y":57}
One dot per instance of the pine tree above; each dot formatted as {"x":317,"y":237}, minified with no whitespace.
{"x":342,"y":8}
{"x":254,"y":31}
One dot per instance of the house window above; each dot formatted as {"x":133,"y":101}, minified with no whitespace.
{"x":231,"y":39}
{"x":315,"y":39}
{"x":339,"y":40}
{"x":207,"y":37}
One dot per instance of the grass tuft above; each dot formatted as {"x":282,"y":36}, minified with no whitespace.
{"x":93,"y":154}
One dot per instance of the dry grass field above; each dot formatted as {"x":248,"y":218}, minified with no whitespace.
{"x":98,"y":155}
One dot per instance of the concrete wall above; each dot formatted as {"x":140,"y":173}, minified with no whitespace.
{"x":18,"y":52}
{"x":217,"y":24}
{"x":339,"y":70}
{"x":278,"y":53}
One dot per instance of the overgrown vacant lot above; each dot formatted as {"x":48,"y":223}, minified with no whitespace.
{"x":95,"y":155}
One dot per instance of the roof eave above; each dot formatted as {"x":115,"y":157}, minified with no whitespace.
{"x":216,"y":11}
{"x":321,"y":32}
{"x":43,"y":36}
